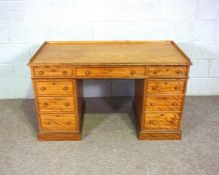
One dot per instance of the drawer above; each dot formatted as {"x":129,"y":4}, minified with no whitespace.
{"x":161,"y":121}
{"x":110,"y":72}
{"x":167,"y":71}
{"x":54,"y":87}
{"x":50,"y":122}
{"x":52,"y":72}
{"x":56,"y":104}
{"x":163,"y":103}
{"x":165,"y":86}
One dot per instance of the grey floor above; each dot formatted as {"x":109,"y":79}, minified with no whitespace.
{"x":109,"y":145}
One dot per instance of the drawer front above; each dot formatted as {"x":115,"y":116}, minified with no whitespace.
{"x":56,"y":104}
{"x":54,"y":87}
{"x":161,"y":121}
{"x":165,"y":86}
{"x":52,"y":72}
{"x":50,"y":122}
{"x":167,"y":71}
{"x":114,"y":72}
{"x":164,"y":103}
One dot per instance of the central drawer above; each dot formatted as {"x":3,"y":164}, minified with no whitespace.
{"x":110,"y":72}
{"x":56,"y":104}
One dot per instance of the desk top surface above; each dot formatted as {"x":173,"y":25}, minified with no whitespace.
{"x":110,"y":53}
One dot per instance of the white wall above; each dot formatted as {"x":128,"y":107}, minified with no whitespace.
{"x":25,"y":24}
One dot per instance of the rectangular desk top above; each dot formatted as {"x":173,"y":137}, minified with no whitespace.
{"x":110,"y":53}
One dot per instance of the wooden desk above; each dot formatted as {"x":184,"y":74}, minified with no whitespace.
{"x":159,"y":67}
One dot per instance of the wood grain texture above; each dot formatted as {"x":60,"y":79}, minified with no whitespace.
{"x":164,"y":103}
{"x":59,"y":136}
{"x":56,"y":104}
{"x":160,"y":136}
{"x":110,"y":53}
{"x":110,"y":72}
{"x":54,"y":88}
{"x":158,"y":121}
{"x":57,"y":122}
{"x":165,"y":86}
{"x":167,"y":71}
{"x":159,"y":67}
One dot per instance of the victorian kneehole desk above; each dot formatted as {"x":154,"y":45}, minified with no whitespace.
{"x":160,"y":70}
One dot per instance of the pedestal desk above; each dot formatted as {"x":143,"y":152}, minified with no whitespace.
{"x":160,"y":70}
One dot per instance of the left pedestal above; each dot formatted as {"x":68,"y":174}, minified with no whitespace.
{"x":58,"y":104}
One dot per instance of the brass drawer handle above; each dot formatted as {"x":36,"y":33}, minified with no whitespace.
{"x":87,"y":72}
{"x":64,"y":72}
{"x":45,"y":104}
{"x":41,"y":72}
{"x":65,"y":88}
{"x":43,"y":88}
{"x":67,"y":104}
{"x":133,"y":72}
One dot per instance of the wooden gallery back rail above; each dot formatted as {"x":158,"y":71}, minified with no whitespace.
{"x":160,"y":70}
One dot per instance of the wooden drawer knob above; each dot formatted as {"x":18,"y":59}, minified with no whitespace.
{"x":133,"y":72}
{"x":178,"y":71}
{"x":41,"y":72}
{"x":45,"y":104}
{"x":87,"y":72}
{"x":68,"y":123}
{"x":47,"y":123}
{"x":64,"y":72}
{"x":43,"y":88}
{"x":67,"y":104}
{"x":152,"y":104}
{"x":154,"y":87}
{"x":176,"y":88}
{"x":65,"y":88}
{"x":174,"y":104}
{"x":155,"y":71}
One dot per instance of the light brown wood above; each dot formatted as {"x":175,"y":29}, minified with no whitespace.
{"x":160,"y":68}
{"x":164,"y":103}
{"x":160,"y":136}
{"x":52,"y":71}
{"x":110,"y":53}
{"x":56,"y":104}
{"x":161,"y":121}
{"x":57,"y":122}
{"x":54,"y":88}
{"x":168,"y":86}
{"x":167,"y":71}
{"x":110,"y":72}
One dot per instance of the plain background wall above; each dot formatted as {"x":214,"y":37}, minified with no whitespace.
{"x":25,"y":24}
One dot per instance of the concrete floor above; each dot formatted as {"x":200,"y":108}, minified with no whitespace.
{"x":109,"y":145}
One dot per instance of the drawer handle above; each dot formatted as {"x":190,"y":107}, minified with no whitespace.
{"x":47,"y":123}
{"x":68,"y":123}
{"x":45,"y":104}
{"x":178,"y":71}
{"x":41,"y":72}
{"x":67,"y":104}
{"x":152,"y":104}
{"x":65,"y":88}
{"x":64,"y":72}
{"x":154,"y":87}
{"x":174,"y":104}
{"x":133,"y":72}
{"x":43,"y":88}
{"x":87,"y":72}
{"x":155,"y":71}
{"x":177,"y":88}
